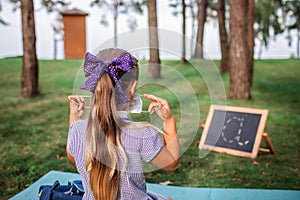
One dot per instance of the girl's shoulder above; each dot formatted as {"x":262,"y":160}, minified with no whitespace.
{"x":138,"y":126}
{"x":79,"y":123}
{"x":141,"y":129}
{"x":78,"y":126}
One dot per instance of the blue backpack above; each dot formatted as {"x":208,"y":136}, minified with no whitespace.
{"x":56,"y":191}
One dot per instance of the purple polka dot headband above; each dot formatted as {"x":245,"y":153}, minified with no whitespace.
{"x":94,"y":67}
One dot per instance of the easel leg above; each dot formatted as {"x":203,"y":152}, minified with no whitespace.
{"x":268,"y":143}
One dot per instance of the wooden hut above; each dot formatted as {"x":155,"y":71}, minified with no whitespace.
{"x":74,"y":21}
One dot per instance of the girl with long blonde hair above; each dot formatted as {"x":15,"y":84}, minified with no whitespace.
{"x":107,"y":148}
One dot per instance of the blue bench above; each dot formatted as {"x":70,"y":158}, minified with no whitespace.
{"x":175,"y":192}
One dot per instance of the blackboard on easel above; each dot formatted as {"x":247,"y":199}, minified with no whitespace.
{"x":235,"y":130}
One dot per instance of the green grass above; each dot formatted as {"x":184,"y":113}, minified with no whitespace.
{"x":33,"y":131}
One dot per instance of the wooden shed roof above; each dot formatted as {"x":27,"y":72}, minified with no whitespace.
{"x":74,"y":12}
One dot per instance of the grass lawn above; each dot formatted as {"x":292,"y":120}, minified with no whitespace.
{"x":33,"y":131}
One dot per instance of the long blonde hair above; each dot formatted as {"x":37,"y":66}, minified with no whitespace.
{"x":105,"y":155}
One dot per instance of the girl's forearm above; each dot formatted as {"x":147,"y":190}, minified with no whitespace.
{"x":71,"y":119}
{"x":171,"y":138}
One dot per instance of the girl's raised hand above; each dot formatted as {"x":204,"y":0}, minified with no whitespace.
{"x":160,"y":106}
{"x":77,"y":105}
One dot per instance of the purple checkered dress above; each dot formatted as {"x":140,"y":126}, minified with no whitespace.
{"x":140,"y":145}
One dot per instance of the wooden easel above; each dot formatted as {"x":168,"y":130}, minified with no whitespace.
{"x":270,"y":147}
{"x":218,"y":138}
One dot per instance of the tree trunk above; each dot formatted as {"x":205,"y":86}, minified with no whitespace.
{"x":224,"y":43}
{"x":194,"y":19}
{"x":115,"y":23}
{"x":239,"y":52}
{"x":250,"y":36}
{"x":154,"y":62}
{"x":29,"y":81}
{"x":298,"y":42}
{"x":261,"y":46}
{"x":202,"y":5}
{"x":183,"y":58}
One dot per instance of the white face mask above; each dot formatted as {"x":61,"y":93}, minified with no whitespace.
{"x":137,"y":104}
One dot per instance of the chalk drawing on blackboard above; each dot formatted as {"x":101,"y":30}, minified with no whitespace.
{"x":235,"y":130}
{"x":237,"y":137}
